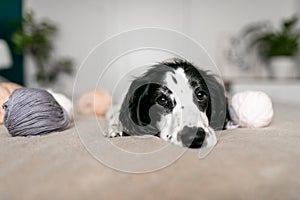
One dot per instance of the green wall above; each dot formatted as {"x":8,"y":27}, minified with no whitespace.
{"x":10,"y":20}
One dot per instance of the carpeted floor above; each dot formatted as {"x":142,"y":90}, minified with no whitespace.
{"x":245,"y":164}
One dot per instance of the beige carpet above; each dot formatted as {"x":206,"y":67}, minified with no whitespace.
{"x":245,"y":164}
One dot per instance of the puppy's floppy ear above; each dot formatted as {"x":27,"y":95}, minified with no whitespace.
{"x":217,"y":107}
{"x":135,"y":110}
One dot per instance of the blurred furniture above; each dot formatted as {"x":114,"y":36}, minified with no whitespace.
{"x":5,"y":56}
{"x":11,"y":21}
{"x":280,"y":90}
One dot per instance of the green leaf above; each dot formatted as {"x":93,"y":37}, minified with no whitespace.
{"x":269,"y":42}
{"x":36,"y":38}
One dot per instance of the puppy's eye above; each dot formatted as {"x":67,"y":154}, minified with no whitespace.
{"x":200,"y":95}
{"x":162,"y":100}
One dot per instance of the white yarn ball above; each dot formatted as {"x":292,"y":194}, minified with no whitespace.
{"x":64,"y":102}
{"x":252,"y":109}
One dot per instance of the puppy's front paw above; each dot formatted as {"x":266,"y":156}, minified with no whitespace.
{"x":114,"y":130}
{"x":210,"y":138}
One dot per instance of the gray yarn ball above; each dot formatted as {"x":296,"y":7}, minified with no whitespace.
{"x":31,"y":111}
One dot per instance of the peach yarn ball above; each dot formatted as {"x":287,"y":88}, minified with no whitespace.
{"x":5,"y":91}
{"x":94,"y":102}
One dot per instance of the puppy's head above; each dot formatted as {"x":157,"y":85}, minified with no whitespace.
{"x":177,"y":102}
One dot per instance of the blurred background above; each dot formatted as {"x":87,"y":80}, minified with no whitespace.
{"x":43,"y":43}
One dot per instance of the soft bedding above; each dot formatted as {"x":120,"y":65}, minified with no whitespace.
{"x":258,"y":163}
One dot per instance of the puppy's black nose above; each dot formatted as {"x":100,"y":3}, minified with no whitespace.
{"x":192,"y":137}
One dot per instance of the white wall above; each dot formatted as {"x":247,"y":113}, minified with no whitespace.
{"x":84,"y":24}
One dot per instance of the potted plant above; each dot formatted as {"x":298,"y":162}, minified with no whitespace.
{"x":35,"y":38}
{"x":277,"y":48}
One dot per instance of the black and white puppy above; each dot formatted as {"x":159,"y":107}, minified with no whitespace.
{"x":175,"y":101}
